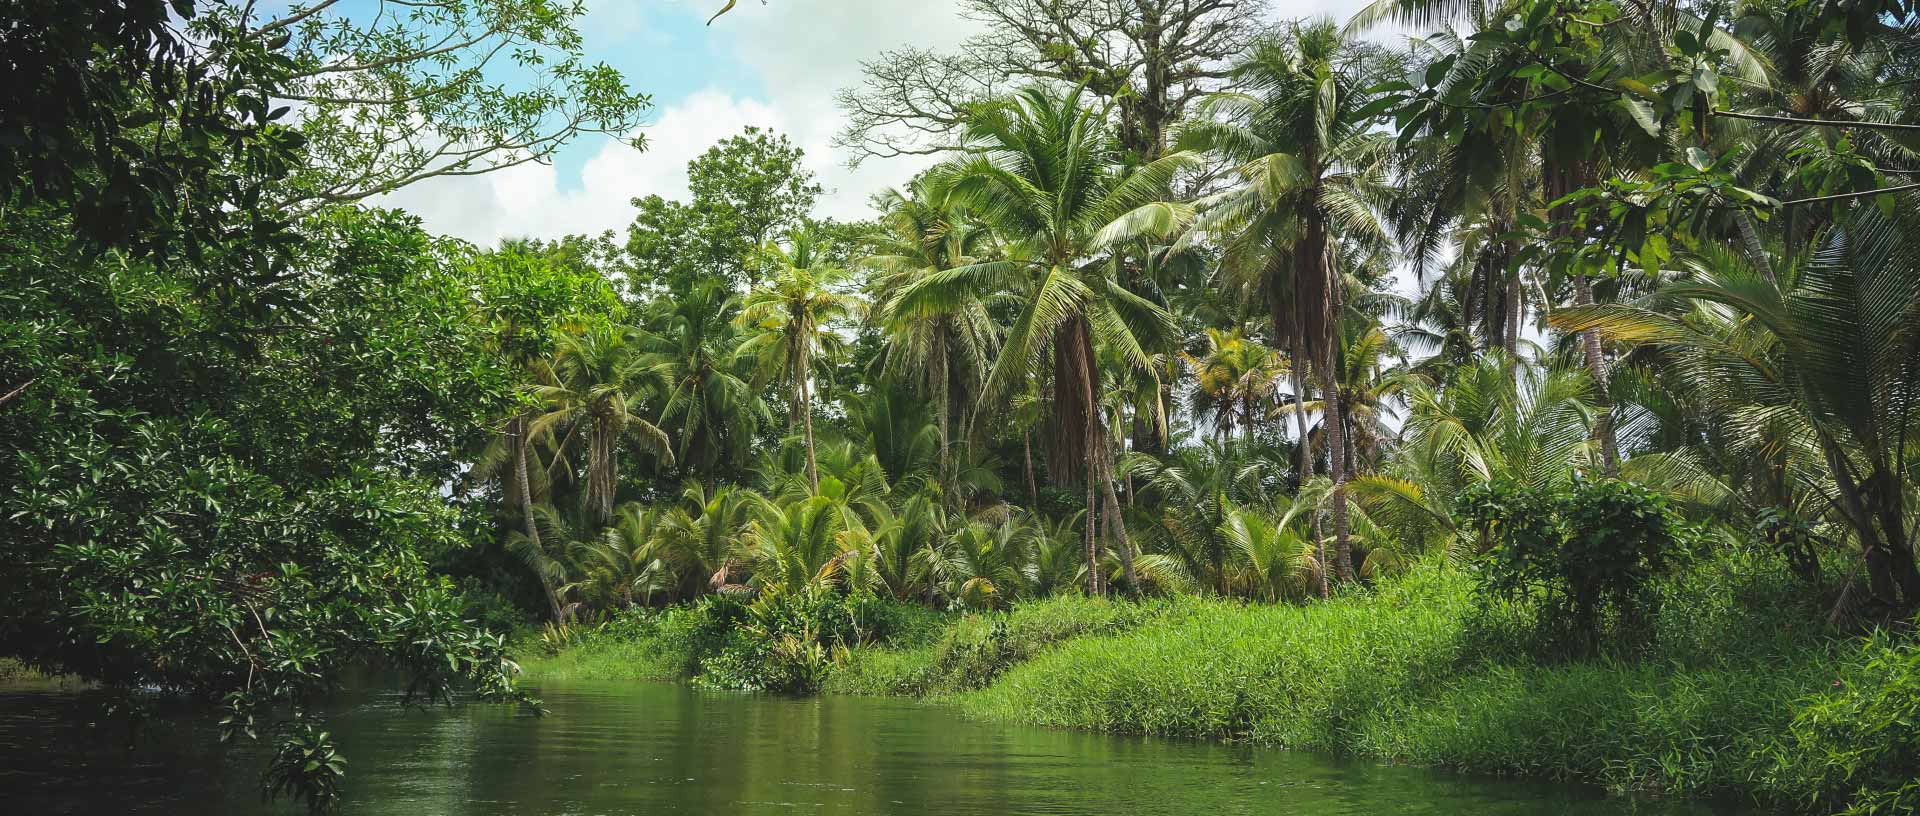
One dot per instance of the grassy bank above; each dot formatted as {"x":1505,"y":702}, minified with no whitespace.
{"x":1740,"y":690}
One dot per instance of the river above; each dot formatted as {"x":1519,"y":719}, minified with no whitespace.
{"x":606,"y":749}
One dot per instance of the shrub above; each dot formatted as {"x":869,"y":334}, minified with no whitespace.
{"x":1582,"y":562}
{"x":1856,"y":748}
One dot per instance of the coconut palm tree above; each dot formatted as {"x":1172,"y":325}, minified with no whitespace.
{"x":1831,"y":346}
{"x":1235,"y":382}
{"x":939,"y":343}
{"x":1312,"y":175}
{"x":1195,"y":488}
{"x":1484,"y":425}
{"x":712,"y":410}
{"x":800,"y":544}
{"x":1045,"y":172}
{"x":700,"y":537}
{"x":792,"y":318}
{"x":594,"y":389}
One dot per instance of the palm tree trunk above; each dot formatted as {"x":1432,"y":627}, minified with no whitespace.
{"x":1306,"y":451}
{"x":803,"y":389}
{"x":1033,"y":488}
{"x":1561,"y":179}
{"x":517,"y":429}
{"x":942,"y":397}
{"x":1092,"y":542}
{"x":1078,"y":346}
{"x":1336,"y":461}
{"x":1116,"y":525}
{"x":1597,"y":369}
{"x":1516,"y":312}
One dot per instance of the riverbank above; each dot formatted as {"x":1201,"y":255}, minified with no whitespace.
{"x":1741,"y":692}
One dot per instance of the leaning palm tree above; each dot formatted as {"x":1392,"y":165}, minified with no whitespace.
{"x":938,"y":343}
{"x":1313,"y":176}
{"x":1832,"y":347}
{"x":1045,"y":172}
{"x":594,"y":387}
{"x":793,"y":315}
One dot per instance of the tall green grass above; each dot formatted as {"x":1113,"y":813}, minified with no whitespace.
{"x":1741,"y":690}
{"x":975,"y":649}
{"x":1710,"y":707}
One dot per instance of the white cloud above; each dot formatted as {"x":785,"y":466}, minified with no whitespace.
{"x":530,"y":200}
{"x":802,"y":53}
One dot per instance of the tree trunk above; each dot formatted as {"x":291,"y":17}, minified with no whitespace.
{"x":803,"y":388}
{"x":1597,"y":369}
{"x":1560,"y":180}
{"x":1516,"y":312}
{"x":1033,"y":488}
{"x":1076,"y":371}
{"x":517,"y":429}
{"x":941,"y":398}
{"x":1116,"y":524}
{"x":1306,"y":454}
{"x":1336,"y":460}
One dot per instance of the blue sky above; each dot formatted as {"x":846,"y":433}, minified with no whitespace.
{"x":775,"y":64}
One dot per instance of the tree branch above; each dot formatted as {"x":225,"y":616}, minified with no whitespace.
{"x":1791,"y":120}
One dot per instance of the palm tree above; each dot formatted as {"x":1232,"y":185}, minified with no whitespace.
{"x":1279,"y":562}
{"x":801,"y":544}
{"x":1313,"y":173}
{"x":938,"y":343}
{"x":1045,"y":172}
{"x":548,"y":552}
{"x":700,"y":538}
{"x":793,"y":315}
{"x":1196,"y":488}
{"x":1494,"y":420}
{"x":1235,"y":381}
{"x":1365,"y":387}
{"x":593,"y":387}
{"x":1833,"y":347}
{"x":712,"y":410}
{"x":626,"y":563}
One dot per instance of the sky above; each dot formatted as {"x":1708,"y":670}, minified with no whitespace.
{"x":775,"y":64}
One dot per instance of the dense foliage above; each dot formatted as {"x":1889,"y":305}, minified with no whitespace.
{"x":1580,"y":297}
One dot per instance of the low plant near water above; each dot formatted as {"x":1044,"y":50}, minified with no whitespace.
{"x":1579,"y":564}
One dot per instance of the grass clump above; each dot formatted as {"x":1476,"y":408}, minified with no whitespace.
{"x":974,"y":650}
{"x":1735,"y":695}
{"x":783,"y":642}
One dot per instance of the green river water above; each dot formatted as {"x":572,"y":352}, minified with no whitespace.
{"x":666,"y":749}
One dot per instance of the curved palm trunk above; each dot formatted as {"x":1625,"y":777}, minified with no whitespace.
{"x":517,"y":430}
{"x":1033,"y":488}
{"x":1077,"y":370}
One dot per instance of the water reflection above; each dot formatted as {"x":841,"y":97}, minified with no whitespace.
{"x":663,"y":749}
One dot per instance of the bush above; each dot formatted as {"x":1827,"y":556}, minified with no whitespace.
{"x":1856,"y":747}
{"x":1581,"y":562}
